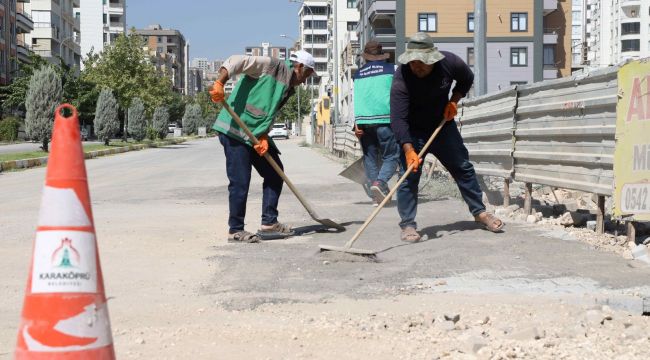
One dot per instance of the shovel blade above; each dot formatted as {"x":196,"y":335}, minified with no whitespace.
{"x":331,"y":224}
{"x":355,"y":172}
{"x":349,"y":250}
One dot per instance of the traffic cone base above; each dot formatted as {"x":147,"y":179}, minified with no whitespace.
{"x":65,"y":314}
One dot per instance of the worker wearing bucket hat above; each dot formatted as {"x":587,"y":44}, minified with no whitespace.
{"x":419,"y":101}
{"x":267,"y":85}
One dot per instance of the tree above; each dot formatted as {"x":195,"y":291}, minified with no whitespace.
{"x":209,"y":110}
{"x":192,"y":118}
{"x":160,"y":121}
{"x":125,"y":68}
{"x":13,"y":95}
{"x":176,"y":107}
{"x":107,"y":123}
{"x":289,"y":112}
{"x":137,"y":126}
{"x":44,"y":93}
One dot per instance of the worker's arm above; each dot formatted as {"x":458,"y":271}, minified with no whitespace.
{"x":463,"y":75}
{"x":399,"y":109}
{"x":252,"y":66}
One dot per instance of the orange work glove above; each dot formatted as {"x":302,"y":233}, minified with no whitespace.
{"x":412,"y":158}
{"x":217,"y":93}
{"x":451,"y":110}
{"x":263,"y":146}
{"x":358,"y":132}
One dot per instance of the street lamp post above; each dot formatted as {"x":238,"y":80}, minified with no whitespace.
{"x":299,"y":120}
{"x":61,"y":45}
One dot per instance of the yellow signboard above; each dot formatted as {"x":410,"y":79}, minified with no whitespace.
{"x":632,"y":155}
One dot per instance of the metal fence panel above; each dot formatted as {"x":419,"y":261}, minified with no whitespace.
{"x":487,"y":130}
{"x":564,"y":133}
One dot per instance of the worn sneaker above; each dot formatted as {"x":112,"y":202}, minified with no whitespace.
{"x":379,"y":191}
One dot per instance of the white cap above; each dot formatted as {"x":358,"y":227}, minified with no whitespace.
{"x":304,"y":58}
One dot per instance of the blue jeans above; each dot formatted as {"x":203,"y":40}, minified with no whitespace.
{"x":239,"y":160}
{"x":450,"y":150}
{"x":380,"y":152}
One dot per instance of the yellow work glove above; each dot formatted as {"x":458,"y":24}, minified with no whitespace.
{"x":217,"y":93}
{"x":263,"y":145}
{"x":451,"y":110}
{"x":412,"y":158}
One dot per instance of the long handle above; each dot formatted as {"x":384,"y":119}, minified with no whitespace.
{"x":394,"y":189}
{"x":268,"y":158}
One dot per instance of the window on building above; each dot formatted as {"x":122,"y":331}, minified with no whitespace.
{"x":105,"y":19}
{"x":518,"y":56}
{"x":630,"y":28}
{"x":549,"y":55}
{"x":470,"y":56}
{"x":352,"y":25}
{"x":518,"y":22}
{"x":428,"y":22}
{"x":631,"y":45}
{"x":513,"y":83}
{"x":352,"y":4}
{"x":470,"y":22}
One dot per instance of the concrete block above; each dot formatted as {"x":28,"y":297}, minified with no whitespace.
{"x":640,"y":252}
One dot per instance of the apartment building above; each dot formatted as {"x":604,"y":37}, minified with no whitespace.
{"x":617,"y":30}
{"x":195,"y":84}
{"x":170,"y":45}
{"x":578,"y":34}
{"x":56,"y":31}
{"x":266,"y":49}
{"x":101,"y":22}
{"x":378,"y":21}
{"x":200,"y":63}
{"x":345,"y":16}
{"x":527,"y":40}
{"x":23,"y":25}
{"x":314,"y":35}
{"x":12,"y":38}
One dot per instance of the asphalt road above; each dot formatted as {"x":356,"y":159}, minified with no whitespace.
{"x":161,"y":215}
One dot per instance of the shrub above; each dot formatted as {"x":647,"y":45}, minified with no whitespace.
{"x":137,"y":126}
{"x":9,"y":129}
{"x":192,"y":118}
{"x":160,"y":121}
{"x":43,"y":95}
{"x":106,"y":122}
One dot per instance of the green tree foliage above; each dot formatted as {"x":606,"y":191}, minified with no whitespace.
{"x":137,"y":120}
{"x":192,"y":119}
{"x":44,"y":94}
{"x":9,"y":127}
{"x":13,"y":95}
{"x":176,"y":107}
{"x":160,"y":122}
{"x":107,"y":123}
{"x":209,"y":110}
{"x":125,"y":68}
{"x":289,"y":112}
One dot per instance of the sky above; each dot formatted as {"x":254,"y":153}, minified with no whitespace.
{"x":217,"y":29}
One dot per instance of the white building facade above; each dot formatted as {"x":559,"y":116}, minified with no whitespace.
{"x":56,"y":30}
{"x":618,"y":30}
{"x":343,"y":58}
{"x":314,"y":35}
{"x":101,"y":23}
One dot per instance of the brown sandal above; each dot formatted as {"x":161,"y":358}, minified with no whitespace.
{"x":410,"y":235}
{"x":243,"y":236}
{"x":491,"y":222}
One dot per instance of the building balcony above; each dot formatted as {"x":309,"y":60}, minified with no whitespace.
{"x":22,"y":51}
{"x":550,"y":37}
{"x":549,"y":6}
{"x":76,"y":25}
{"x":627,"y":4}
{"x":381,"y":8}
{"x":24,"y":23}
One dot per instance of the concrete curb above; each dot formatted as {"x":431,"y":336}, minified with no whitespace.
{"x":30,"y":163}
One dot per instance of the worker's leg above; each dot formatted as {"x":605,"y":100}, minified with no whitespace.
{"x":238,"y":169}
{"x":272,"y":186}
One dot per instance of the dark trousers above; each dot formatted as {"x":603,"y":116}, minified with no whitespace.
{"x":380,"y":152}
{"x":450,"y":150}
{"x":239,"y":159}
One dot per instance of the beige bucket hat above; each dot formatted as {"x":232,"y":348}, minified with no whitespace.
{"x":420,"y":47}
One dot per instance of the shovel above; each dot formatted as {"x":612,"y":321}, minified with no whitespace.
{"x":327,"y":222}
{"x":347,"y":248}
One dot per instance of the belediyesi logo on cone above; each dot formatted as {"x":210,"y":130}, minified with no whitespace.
{"x":65,"y":263}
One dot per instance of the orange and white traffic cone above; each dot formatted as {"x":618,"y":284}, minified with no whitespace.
{"x":65,"y":314}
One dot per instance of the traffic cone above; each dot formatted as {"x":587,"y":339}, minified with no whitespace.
{"x":65,"y":314}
